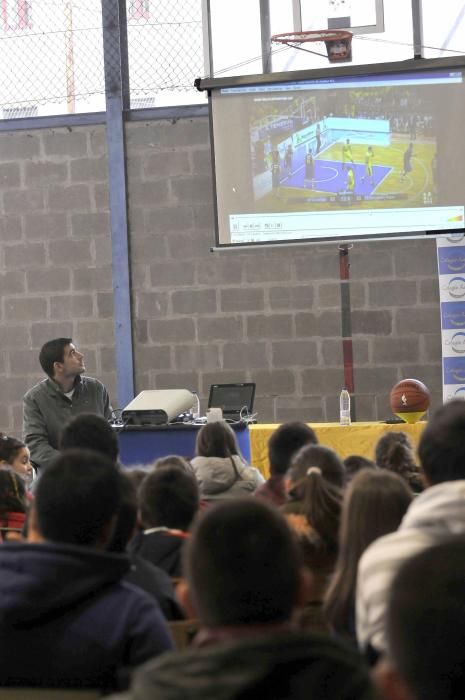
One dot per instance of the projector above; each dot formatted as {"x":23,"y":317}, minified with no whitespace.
{"x":157,"y":407}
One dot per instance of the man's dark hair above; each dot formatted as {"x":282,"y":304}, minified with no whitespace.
{"x":285,"y":442}
{"x":89,"y":431}
{"x":168,"y":497}
{"x":77,"y":496}
{"x":442,"y":444}
{"x":53,"y":351}
{"x":426,"y":622}
{"x":242,"y":565}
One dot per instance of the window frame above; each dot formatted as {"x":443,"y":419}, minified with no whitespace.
{"x":22,"y":19}
{"x":138,"y":9}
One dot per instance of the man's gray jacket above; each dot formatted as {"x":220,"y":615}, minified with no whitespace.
{"x":46,"y":410}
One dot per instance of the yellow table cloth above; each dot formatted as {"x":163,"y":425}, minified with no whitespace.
{"x":358,"y":438}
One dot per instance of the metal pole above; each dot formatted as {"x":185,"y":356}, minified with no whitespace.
{"x":347,"y":345}
{"x":417,"y":23}
{"x":297,"y":15}
{"x":69,"y":49}
{"x":265,"y":31}
{"x":207,"y":38}
{"x":115,"y":53}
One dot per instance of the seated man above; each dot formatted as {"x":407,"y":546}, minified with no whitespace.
{"x":244,"y":584}
{"x":168,"y":502}
{"x":425,"y":626}
{"x":282,"y":446}
{"x":49,"y":405}
{"x":66,"y":618}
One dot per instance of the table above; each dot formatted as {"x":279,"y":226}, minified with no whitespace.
{"x":144,"y":444}
{"x":358,"y":438}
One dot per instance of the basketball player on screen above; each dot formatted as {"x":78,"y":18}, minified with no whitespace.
{"x":347,"y":154}
{"x":309,"y":169}
{"x":350,"y":185}
{"x":318,"y":139}
{"x":288,"y":157}
{"x":369,"y":155}
{"x":408,"y":155}
{"x":275,"y":179}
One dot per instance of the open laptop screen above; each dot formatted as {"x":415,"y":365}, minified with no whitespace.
{"x":232,"y":398}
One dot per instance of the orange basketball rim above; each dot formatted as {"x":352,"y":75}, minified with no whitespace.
{"x":338,"y":42}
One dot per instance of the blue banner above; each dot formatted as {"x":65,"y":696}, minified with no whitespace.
{"x":454,"y":370}
{"x":451,"y":260}
{"x":451,"y":268}
{"x":453,"y":315}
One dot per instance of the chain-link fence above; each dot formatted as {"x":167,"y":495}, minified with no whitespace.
{"x":52,"y":55}
{"x":165,"y":51}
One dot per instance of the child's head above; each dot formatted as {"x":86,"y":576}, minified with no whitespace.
{"x":316,"y":478}
{"x":216,"y":439}
{"x":168,"y":497}
{"x":15,"y":454}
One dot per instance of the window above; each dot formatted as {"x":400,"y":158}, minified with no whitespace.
{"x":16,"y":15}
{"x":143,"y":102}
{"x":139,"y":9}
{"x":20,"y":112}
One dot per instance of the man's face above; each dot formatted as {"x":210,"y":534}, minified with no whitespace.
{"x":73,"y":363}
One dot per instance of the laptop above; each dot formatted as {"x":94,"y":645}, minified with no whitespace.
{"x":234,"y":399}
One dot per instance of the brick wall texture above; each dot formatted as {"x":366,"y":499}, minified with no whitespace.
{"x":269,"y":315}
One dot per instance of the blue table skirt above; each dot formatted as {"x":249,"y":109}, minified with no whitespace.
{"x":143,"y":445}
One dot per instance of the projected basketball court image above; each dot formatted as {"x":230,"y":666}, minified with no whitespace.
{"x":361,"y":153}
{"x":371,"y":161}
{"x":386,"y":176}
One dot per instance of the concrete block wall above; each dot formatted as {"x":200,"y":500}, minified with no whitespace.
{"x":55,"y":256}
{"x":270,"y":315}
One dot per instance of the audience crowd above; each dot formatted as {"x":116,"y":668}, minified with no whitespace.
{"x":330,"y":579}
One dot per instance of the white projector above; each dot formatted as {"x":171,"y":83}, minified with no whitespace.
{"x":157,"y":407}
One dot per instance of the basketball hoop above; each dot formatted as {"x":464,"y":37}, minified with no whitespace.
{"x":338,"y":42}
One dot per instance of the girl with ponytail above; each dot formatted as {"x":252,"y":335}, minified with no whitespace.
{"x":315,"y":482}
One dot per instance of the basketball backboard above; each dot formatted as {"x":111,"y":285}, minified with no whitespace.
{"x":359,"y":16}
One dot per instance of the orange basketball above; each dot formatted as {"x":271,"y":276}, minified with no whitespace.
{"x":410,"y":396}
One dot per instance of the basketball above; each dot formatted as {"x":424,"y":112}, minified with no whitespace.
{"x":409,"y":396}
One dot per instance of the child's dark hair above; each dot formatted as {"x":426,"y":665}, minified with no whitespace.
{"x":285,"y":442}
{"x":218,"y":439}
{"x":394,"y":451}
{"x":318,"y":475}
{"x":168,"y":497}
{"x":355,"y":463}
{"x":12,"y":492}
{"x":9,"y":448}
{"x":173,"y":461}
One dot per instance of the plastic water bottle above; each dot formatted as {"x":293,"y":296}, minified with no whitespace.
{"x":344,"y":407}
